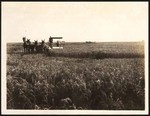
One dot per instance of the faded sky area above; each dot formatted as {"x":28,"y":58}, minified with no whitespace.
{"x":75,"y":21}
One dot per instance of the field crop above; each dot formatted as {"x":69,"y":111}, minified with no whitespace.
{"x":114,"y":81}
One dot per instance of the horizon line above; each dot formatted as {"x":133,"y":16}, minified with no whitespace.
{"x":81,"y":41}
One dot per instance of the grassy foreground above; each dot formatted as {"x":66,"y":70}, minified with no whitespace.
{"x":86,"y":73}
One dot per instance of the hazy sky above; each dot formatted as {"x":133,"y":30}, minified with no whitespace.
{"x":75,"y":21}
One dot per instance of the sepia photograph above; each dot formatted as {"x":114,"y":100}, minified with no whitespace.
{"x":74,"y":58}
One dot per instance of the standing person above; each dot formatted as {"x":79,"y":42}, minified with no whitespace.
{"x":57,"y":44}
{"x":51,"y":41}
{"x":24,"y":44}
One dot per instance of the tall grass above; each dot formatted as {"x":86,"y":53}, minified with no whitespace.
{"x":100,"y":50}
{"x":109,"y":84}
{"x":96,"y":55}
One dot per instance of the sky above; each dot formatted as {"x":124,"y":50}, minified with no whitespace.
{"x":75,"y":21}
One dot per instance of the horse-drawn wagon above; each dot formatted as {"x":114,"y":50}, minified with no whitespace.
{"x":41,"y":47}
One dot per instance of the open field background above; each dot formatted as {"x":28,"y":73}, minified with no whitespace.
{"x":107,"y":76}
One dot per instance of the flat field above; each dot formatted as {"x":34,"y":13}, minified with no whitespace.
{"x":95,"y":76}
